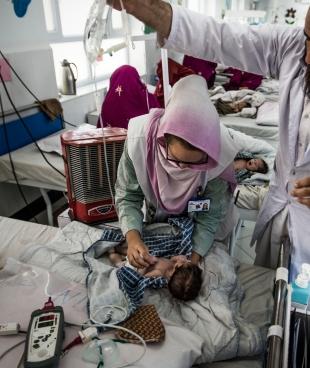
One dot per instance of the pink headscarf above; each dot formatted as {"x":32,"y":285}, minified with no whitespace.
{"x":191,"y":116}
{"x":127,"y":98}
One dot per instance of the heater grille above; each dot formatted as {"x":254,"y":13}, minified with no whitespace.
{"x":88,"y":171}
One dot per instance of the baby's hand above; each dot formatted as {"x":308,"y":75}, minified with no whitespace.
{"x":180,"y":258}
{"x":153,"y":259}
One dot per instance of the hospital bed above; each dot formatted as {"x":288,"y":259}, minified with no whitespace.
{"x":18,"y":153}
{"x":179,"y":348}
{"x":33,"y":171}
{"x":265,"y":125}
{"x":34,"y":168}
{"x":248,"y":126}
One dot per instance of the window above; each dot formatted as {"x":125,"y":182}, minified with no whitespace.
{"x":194,"y":5}
{"x":202,"y":6}
{"x":65,"y":23}
{"x":73,"y":17}
{"x":49,"y":13}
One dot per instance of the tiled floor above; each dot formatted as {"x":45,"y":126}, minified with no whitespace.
{"x":242,"y":251}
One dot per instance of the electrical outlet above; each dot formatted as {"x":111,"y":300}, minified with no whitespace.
{"x":5,"y":71}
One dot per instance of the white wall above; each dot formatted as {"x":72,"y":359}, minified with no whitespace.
{"x":278,"y":7}
{"x":25,"y":42}
{"x":26,"y":31}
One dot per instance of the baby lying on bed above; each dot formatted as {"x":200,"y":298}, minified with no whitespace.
{"x":237,"y":103}
{"x":184,"y":278}
{"x":246,"y":164}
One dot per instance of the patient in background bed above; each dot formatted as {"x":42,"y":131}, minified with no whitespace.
{"x":242,"y":103}
{"x":225,"y":108}
{"x":184,"y":278}
{"x":240,"y":79}
{"x":246,"y":164}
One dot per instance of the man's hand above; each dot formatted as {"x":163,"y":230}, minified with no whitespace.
{"x":302,"y":191}
{"x":155,"y":13}
{"x":137,"y":253}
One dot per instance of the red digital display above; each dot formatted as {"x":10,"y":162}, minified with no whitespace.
{"x":47,"y":318}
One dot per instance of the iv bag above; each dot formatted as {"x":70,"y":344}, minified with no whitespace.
{"x":95,"y":28}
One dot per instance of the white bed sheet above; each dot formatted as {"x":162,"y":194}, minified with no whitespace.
{"x":30,"y":166}
{"x":32,"y":169}
{"x":15,"y":235}
{"x":249,"y":127}
{"x":180,"y":348}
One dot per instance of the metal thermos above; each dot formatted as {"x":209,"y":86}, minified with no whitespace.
{"x":68,"y":79}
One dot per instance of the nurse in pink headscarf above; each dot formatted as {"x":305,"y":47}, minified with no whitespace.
{"x":176,"y":159}
{"x":127,"y":98}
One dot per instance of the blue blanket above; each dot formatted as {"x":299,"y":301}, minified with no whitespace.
{"x":160,"y":245}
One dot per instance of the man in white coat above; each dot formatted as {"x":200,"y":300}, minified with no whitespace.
{"x":282,"y":53}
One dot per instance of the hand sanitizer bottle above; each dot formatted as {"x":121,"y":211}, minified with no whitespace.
{"x":301,"y":286}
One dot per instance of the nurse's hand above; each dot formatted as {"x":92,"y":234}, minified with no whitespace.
{"x":195,"y":258}
{"x":137,"y":253}
{"x":302,"y":191}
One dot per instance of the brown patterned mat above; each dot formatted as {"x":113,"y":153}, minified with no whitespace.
{"x":146,"y":323}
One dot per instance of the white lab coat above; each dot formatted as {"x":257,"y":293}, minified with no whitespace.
{"x":270,"y":51}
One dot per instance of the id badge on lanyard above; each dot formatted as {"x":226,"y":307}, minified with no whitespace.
{"x":198,"y":204}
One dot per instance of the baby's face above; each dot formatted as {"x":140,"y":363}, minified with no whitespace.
{"x":238,"y":105}
{"x":255,"y":164}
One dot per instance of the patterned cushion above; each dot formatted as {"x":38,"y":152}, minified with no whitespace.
{"x":146,"y":323}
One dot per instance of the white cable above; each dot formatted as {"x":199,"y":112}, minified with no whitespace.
{"x":115,"y":48}
{"x":126,"y":26}
{"x":11,"y":348}
{"x":93,"y":69}
{"x":147,"y":99}
{"x":165,"y":73}
{"x":109,"y":314}
{"x":93,"y":77}
{"x":98,"y":324}
{"x":107,"y":165}
{"x":47,"y":285}
{"x":93,"y":74}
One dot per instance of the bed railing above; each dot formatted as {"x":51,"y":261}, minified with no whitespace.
{"x":275,"y":342}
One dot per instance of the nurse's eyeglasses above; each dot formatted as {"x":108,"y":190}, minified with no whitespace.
{"x":178,"y":162}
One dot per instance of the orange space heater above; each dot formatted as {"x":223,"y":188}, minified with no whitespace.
{"x":91,"y":160}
